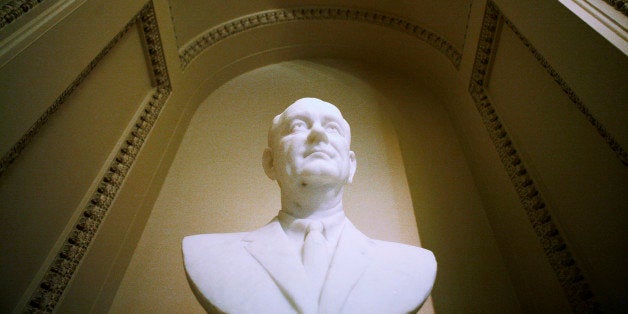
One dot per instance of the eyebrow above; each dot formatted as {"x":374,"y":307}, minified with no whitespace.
{"x":296,"y":117}
{"x":326,"y":118}
{"x":344,"y":125}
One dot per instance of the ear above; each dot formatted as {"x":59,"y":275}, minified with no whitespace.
{"x":353,"y":166}
{"x":268,"y":163}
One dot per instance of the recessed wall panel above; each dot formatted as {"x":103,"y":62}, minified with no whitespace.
{"x":580,"y":175}
{"x":43,"y":188}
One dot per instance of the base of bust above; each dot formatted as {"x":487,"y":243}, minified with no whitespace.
{"x":258,"y":272}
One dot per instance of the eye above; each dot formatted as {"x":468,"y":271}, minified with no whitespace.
{"x":297,"y":126}
{"x":332,"y":127}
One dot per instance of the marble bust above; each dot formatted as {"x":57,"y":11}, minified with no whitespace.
{"x":310,"y":258}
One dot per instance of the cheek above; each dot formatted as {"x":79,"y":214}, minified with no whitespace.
{"x":342,"y":147}
{"x":293,"y":148}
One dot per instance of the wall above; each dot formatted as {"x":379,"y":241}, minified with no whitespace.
{"x":535,"y":100}
{"x":554,"y":180}
{"x":66,"y":116}
{"x":216,"y":183}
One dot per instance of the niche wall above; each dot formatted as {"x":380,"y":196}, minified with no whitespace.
{"x":527,"y":91}
{"x":216,"y":182}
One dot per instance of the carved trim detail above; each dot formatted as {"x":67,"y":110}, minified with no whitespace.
{"x":209,"y":38}
{"x":601,"y":130}
{"x":13,"y":10}
{"x":466,"y":27}
{"x":619,"y":5}
{"x":557,"y":252}
{"x":159,"y":78}
{"x":480,"y":70}
{"x":59,"y":274}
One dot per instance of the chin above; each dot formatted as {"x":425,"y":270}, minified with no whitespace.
{"x":322,"y":172}
{"x":317,"y":179}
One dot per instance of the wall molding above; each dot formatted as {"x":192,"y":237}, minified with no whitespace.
{"x":14,"y":152}
{"x":195,"y":47}
{"x":619,"y":5}
{"x":466,"y":28}
{"x":13,"y":10}
{"x":573,"y":97}
{"x":54,"y":282}
{"x":565,"y":267}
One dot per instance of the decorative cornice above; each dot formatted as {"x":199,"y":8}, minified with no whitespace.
{"x":619,"y":5}
{"x":57,"y":277}
{"x":14,"y":152}
{"x":209,"y":38}
{"x":601,"y":130}
{"x":557,"y":252}
{"x":466,"y":27}
{"x":12,"y":10}
{"x":481,"y":69}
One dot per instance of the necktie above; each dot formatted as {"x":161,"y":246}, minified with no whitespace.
{"x":315,"y":257}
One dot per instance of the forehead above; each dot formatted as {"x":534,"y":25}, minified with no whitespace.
{"x":312,"y":108}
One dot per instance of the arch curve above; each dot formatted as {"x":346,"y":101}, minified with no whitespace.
{"x":212,"y":36}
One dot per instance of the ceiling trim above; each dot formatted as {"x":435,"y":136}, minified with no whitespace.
{"x":56,"y":279}
{"x":195,"y":47}
{"x":159,"y":77}
{"x":557,"y":252}
{"x":619,"y":5}
{"x":466,"y":27}
{"x":13,"y":10}
{"x":573,"y":97}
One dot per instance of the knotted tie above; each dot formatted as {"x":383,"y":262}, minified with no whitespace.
{"x":315,"y":257}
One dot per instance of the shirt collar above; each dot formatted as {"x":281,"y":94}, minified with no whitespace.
{"x":295,"y":227}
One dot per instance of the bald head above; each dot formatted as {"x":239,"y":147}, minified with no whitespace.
{"x":304,"y":106}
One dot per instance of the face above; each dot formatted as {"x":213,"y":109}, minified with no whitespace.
{"x":309,"y":144}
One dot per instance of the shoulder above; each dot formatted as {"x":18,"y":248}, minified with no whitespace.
{"x":210,"y":240}
{"x":206,"y":255}
{"x":414,"y":265}
{"x":399,"y":278}
{"x":406,"y":256}
{"x":400,"y":257}
{"x":204,"y":248}
{"x":395,"y":250}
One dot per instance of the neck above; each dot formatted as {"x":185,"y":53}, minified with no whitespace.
{"x":312,"y":202}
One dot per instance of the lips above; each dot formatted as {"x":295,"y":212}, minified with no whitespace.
{"x":319,"y":153}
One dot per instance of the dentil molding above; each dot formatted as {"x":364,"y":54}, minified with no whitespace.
{"x":14,"y":9}
{"x":194,"y":48}
{"x":56,"y":279}
{"x":556,"y":251}
{"x":619,"y":5}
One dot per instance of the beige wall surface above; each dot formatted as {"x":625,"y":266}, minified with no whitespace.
{"x":440,"y":169}
{"x":557,"y":99}
{"x":48,"y":184}
{"x":446,"y":17}
{"x":216,"y":184}
{"x":583,"y":180}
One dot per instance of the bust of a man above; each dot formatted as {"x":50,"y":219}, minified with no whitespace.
{"x":310,"y":258}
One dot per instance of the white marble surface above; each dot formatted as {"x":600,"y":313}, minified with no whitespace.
{"x":260,"y":271}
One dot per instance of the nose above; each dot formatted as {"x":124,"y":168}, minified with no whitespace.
{"x":317,"y":134}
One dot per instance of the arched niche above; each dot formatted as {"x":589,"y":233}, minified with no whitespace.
{"x":232,"y":48}
{"x":559,"y":253}
{"x":412,"y":186}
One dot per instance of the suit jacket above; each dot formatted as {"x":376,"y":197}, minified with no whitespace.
{"x":259,"y":272}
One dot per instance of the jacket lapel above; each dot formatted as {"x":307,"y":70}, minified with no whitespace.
{"x":353,"y":255}
{"x":270,"y":246}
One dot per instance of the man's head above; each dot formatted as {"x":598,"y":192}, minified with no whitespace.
{"x":309,"y":143}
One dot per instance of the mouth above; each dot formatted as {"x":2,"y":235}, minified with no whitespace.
{"x":319,"y":153}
